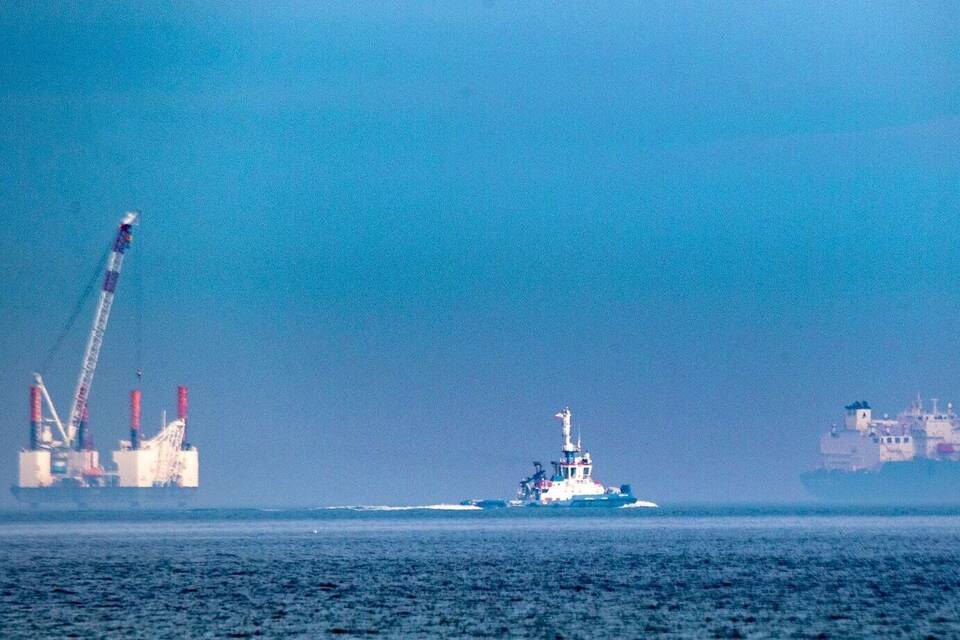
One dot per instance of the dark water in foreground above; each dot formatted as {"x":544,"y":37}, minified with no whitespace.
{"x":517,"y":573}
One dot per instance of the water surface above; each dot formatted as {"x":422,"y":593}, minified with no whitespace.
{"x":735,"y":572}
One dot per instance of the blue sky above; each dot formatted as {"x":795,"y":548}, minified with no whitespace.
{"x":384,"y":244}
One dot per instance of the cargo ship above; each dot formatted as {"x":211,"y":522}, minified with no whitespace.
{"x":60,"y":465}
{"x":910,"y":459}
{"x":572,"y":483}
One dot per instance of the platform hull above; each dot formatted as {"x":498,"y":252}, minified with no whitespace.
{"x":919,"y":482}
{"x":104,"y":497}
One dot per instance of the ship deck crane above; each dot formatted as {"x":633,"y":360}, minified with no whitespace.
{"x":121,"y":243}
{"x":95,"y":340}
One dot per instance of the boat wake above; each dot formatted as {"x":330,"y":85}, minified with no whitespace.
{"x":641,"y":504}
{"x":429,"y":507}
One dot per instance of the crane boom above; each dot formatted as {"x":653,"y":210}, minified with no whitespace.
{"x":95,"y":340}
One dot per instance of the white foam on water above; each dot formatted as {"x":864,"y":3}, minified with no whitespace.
{"x":452,"y":507}
{"x":383,"y":507}
{"x":641,"y":504}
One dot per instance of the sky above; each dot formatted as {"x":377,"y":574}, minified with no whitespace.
{"x":384,"y":243}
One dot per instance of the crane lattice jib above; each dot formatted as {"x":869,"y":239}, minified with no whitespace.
{"x":89,"y":365}
{"x":168,"y":444}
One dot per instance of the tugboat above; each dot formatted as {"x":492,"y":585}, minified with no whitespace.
{"x":572,"y":483}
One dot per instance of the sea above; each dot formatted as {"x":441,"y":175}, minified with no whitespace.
{"x":447,"y":572}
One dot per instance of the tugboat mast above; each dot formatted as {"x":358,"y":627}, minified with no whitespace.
{"x":564,"y":416}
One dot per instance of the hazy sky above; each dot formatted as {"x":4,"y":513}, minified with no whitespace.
{"x":385,"y":245}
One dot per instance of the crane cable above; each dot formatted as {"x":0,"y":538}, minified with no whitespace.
{"x":138,"y":303}
{"x":77,"y":309}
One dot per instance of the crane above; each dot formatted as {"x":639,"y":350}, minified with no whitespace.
{"x":88,"y":366}
{"x":168,"y":444}
{"x":60,"y":458}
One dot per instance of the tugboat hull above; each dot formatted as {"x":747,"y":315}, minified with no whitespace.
{"x":603,"y":501}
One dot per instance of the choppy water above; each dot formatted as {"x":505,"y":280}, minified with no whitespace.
{"x":638,"y":573}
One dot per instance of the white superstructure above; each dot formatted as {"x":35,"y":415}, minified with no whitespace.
{"x":161,"y":461}
{"x":865,"y":442}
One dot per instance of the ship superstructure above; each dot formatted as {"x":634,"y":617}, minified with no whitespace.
{"x":864,"y":442}
{"x":913,"y":457}
{"x":572,"y":482}
{"x":61,"y":465}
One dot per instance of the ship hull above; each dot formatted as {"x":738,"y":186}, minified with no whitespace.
{"x":104,"y":497}
{"x":918,"y":482}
